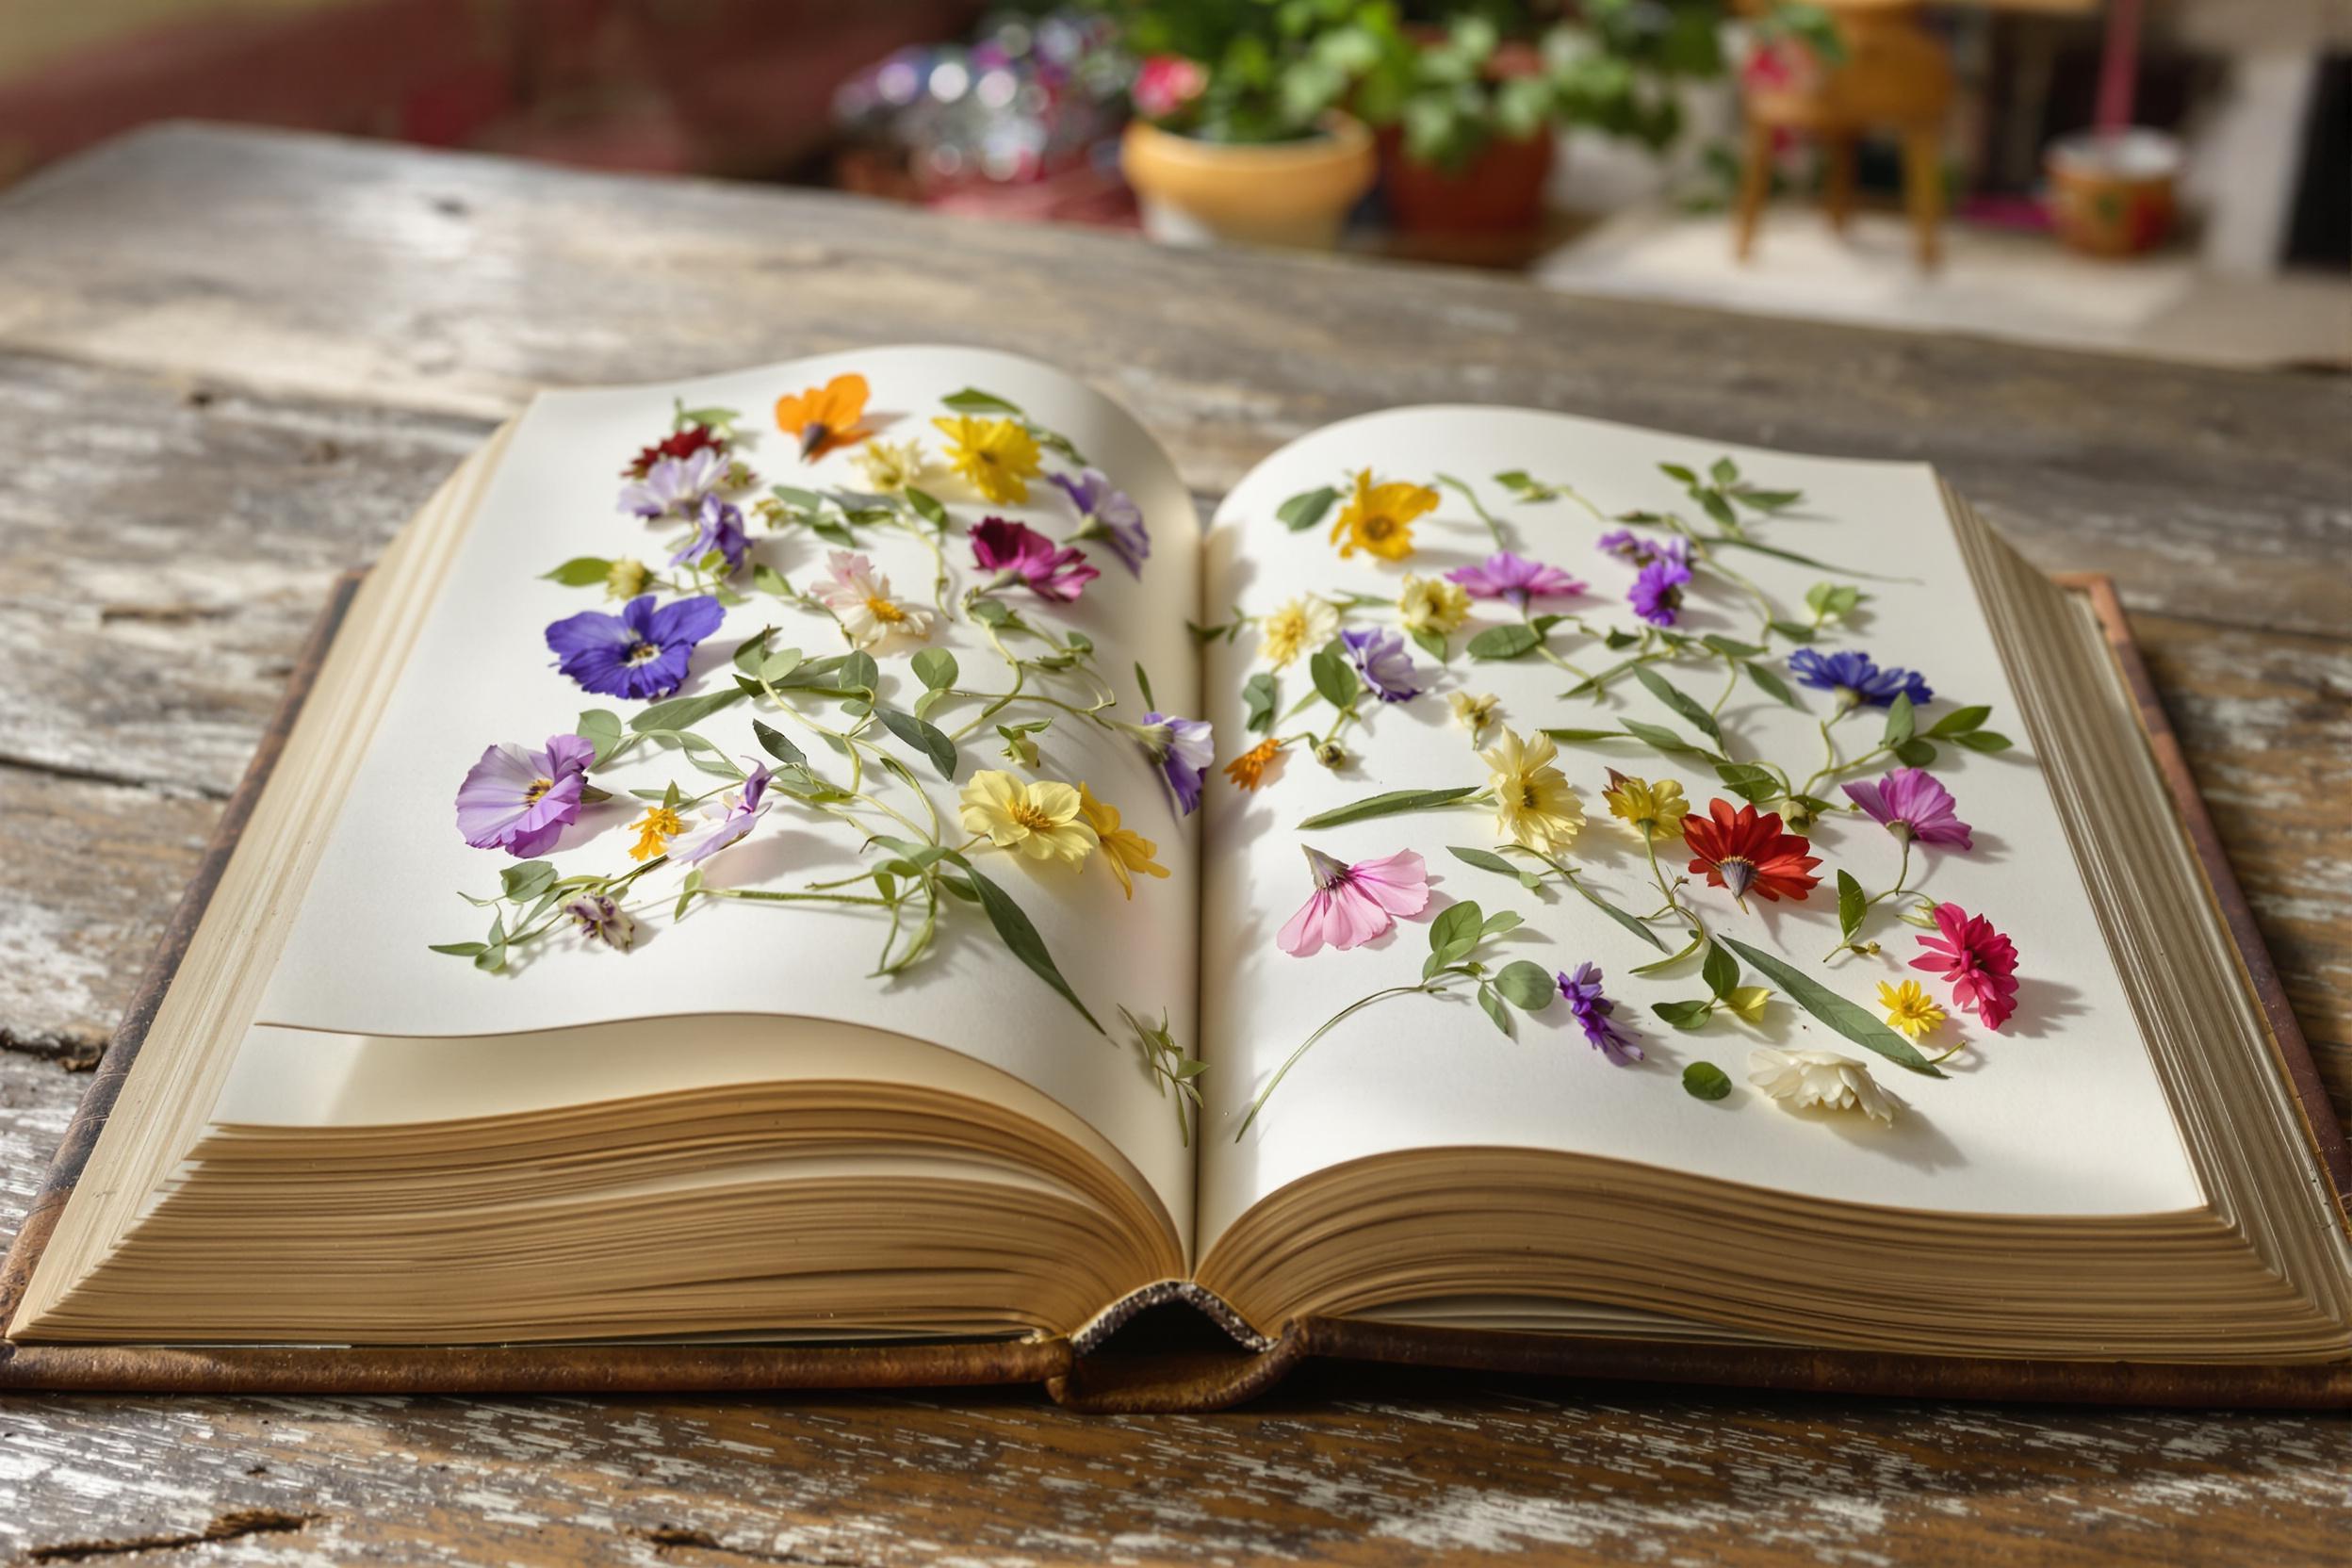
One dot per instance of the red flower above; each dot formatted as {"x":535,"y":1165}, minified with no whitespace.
{"x":685,"y":443}
{"x":1981,"y":963}
{"x":1749,"y":854}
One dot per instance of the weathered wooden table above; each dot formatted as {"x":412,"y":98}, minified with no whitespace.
{"x":232,"y":362}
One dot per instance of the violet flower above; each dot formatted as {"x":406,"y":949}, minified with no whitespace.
{"x":1856,"y":680}
{"x":674,"y":486}
{"x":1182,"y":749}
{"x":639,"y":653}
{"x":1019,"y":553}
{"x":1379,"y":657}
{"x":1515,"y":579}
{"x":1109,"y":514}
{"x":719,"y":527}
{"x":1641,"y":550}
{"x":1583,"y":993}
{"x":521,"y":801}
{"x":1656,"y":593}
{"x":1912,"y":804}
{"x":744,"y":809}
{"x":601,"y":920}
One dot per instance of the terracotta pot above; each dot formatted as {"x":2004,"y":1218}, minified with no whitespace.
{"x":2111,"y":192}
{"x":1499,"y":192}
{"x":1293,"y":193}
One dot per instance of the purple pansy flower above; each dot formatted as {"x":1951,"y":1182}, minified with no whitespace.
{"x":1640,"y":549}
{"x":602,"y":920}
{"x":674,"y":486}
{"x":1514,"y":578}
{"x":1856,"y":680}
{"x":719,"y":527}
{"x":1379,"y":657}
{"x":1183,"y":749}
{"x":1912,"y":804}
{"x":1656,"y":593}
{"x":1019,"y":553}
{"x":642,"y":652}
{"x":521,"y":801}
{"x":1593,"y":1010}
{"x":1109,"y":514}
{"x":744,"y":808}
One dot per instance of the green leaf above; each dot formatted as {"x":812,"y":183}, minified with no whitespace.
{"x":1981,"y":739}
{"x":1456,"y":931}
{"x":926,"y":506}
{"x":775,"y":746}
{"x":1685,"y":1015}
{"x":1526,"y":986}
{"x":1856,"y":1022}
{"x":797,"y":499}
{"x":1500,"y":921}
{"x":1578,"y":737}
{"x":458,"y":950}
{"x":1506,"y":641}
{"x":860,"y":673}
{"x":1750,"y":781}
{"x":527,"y":881}
{"x":1796,"y":632}
{"x":1258,"y":697}
{"x":1391,"y":804}
{"x":601,"y":729}
{"x":581,"y":571}
{"x":1680,"y":701}
{"x":1901,"y":721}
{"x":769,"y":580}
{"x":1731,"y":649}
{"x":1705,"y":1080}
{"x":1773,"y":687}
{"x":988,"y":613}
{"x":1914,"y":753}
{"x":1676,"y":471}
{"x":935,"y":667}
{"x":1143,"y":684}
{"x":684,"y":712}
{"x":923,"y":736}
{"x":1960,"y":721}
{"x":1486,"y":860}
{"x":1021,"y":938}
{"x":1852,"y":906}
{"x":1334,"y":677}
{"x":1630,"y":922}
{"x":1665,"y":740}
{"x":1720,"y":970}
{"x":1724,"y":471}
{"x":1493,"y":1006}
{"x":1431,"y":643}
{"x":973,"y":401}
{"x":1306,"y":509}
{"x":1778,"y":554}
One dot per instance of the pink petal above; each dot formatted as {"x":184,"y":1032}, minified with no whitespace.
{"x":1398,"y":883}
{"x":1355,"y":918}
{"x":1307,"y":931}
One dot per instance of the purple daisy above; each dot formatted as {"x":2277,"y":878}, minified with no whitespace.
{"x":1912,"y":804}
{"x":1183,"y":750}
{"x":1109,"y":514}
{"x":719,"y":527}
{"x":1514,"y":578}
{"x":1656,"y":593}
{"x":642,"y":652}
{"x":1379,"y":657}
{"x":1583,"y":993}
{"x":1856,"y":680}
{"x":521,"y":801}
{"x":674,"y":486}
{"x":744,"y":808}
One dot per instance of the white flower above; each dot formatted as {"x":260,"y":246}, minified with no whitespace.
{"x":890,"y":467}
{"x":1474,"y":711}
{"x":1823,"y":1078}
{"x":861,"y":598}
{"x":1302,"y":625}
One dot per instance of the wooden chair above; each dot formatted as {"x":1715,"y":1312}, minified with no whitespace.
{"x":1896,"y":76}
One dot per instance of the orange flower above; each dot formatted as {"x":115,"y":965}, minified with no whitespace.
{"x":1249,"y":769}
{"x":1749,"y":854}
{"x":825,"y":417}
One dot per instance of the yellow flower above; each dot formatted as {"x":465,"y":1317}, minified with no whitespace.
{"x":997,"y":457}
{"x":890,"y":467}
{"x":1654,"y":811}
{"x":1379,"y":518}
{"x":1125,"y":849}
{"x":1248,"y":771}
{"x":625,"y":579}
{"x":1039,"y":819}
{"x":1475,"y":711}
{"x":655,"y":830}
{"x":1432,"y":604}
{"x":1910,"y":1009}
{"x":1747,"y":1003}
{"x":1533,"y":804}
{"x":1296,"y":628}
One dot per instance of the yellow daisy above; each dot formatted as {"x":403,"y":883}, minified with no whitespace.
{"x":1432,"y":604}
{"x":1533,"y":803}
{"x":1299,"y":627}
{"x":1654,"y":811}
{"x":996,"y":457}
{"x":1378,"y":520}
{"x":655,"y":830}
{"x":1124,"y":848}
{"x":890,"y":467}
{"x":1040,"y":819}
{"x":1910,"y":1009}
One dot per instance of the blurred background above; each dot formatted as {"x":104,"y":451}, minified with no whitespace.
{"x":2170,"y":177}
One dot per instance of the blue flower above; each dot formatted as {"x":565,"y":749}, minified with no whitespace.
{"x":1379,"y":657}
{"x":718,"y":527}
{"x":1856,"y":680}
{"x":1183,"y":750}
{"x":642,"y":652}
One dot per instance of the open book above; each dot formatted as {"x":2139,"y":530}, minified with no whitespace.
{"x":837,"y":852}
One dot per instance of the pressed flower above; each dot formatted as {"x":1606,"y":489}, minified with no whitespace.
{"x":1653,"y":809}
{"x":860,"y":596}
{"x":1979,"y":963}
{"x":1475,"y":711}
{"x":1912,"y":804}
{"x":1856,"y":680}
{"x":717,"y":527}
{"x":519,"y":800}
{"x":674,"y":486}
{"x":1747,"y":1003}
{"x":1381,"y":658}
{"x":1019,"y":553}
{"x":1594,"y":1012}
{"x":1354,"y":903}
{"x":1656,"y":593}
{"x":1534,"y":805}
{"x":1910,"y":1009}
{"x":1108,"y":514}
{"x":1821,"y":1078}
{"x":996,"y":457}
{"x":1040,"y":818}
{"x":625,"y":579}
{"x":1748,"y":852}
{"x":1377,"y":518}
{"x":642,"y":652}
{"x":1430,"y":604}
{"x":1182,"y":749}
{"x":739,"y":811}
{"x":602,"y":920}
{"x":1296,"y":627}
{"x":1641,"y":550}
{"x":1515,"y":579}
{"x":825,"y":417}
{"x":1125,"y":850}
{"x":1248,"y":771}
{"x":655,"y":830}
{"x":890,"y":467}
{"x":684,"y":443}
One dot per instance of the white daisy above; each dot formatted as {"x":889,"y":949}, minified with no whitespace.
{"x":1822,"y":1078}
{"x":861,"y":598}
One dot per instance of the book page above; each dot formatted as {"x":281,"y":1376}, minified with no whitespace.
{"x":2057,"y":1112}
{"x":485,"y":673}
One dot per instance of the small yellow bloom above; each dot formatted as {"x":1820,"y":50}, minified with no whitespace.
{"x":1379,"y":518}
{"x":1124,"y":848}
{"x":1040,"y":818}
{"x":1432,"y":604}
{"x":1533,"y":803}
{"x":890,"y":467}
{"x":1747,"y":1003}
{"x":1475,"y":711}
{"x":997,"y":457}
{"x":1654,"y":811}
{"x":655,"y":830}
{"x":1910,"y":1009}
{"x":1296,"y":628}
{"x":1248,"y":771}
{"x":625,"y":579}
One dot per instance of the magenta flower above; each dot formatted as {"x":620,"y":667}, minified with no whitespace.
{"x":1354,"y":903}
{"x":1515,"y":579}
{"x":1019,"y":553}
{"x":1979,"y":963}
{"x":1656,"y":593}
{"x":521,"y":801}
{"x":1910,"y":804}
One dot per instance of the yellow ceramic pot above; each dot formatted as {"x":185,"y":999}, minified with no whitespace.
{"x":1295,"y":193}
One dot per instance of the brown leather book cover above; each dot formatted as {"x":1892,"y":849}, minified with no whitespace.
{"x":1093,"y":1372}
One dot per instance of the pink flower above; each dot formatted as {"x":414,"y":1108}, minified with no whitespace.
{"x":1981,"y":963}
{"x":1354,"y":903}
{"x":1910,"y":803}
{"x":1017,"y":552}
{"x":1505,"y":575}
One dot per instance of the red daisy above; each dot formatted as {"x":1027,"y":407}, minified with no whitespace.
{"x":685,"y":443}
{"x":1981,"y":963}
{"x":1748,"y":853}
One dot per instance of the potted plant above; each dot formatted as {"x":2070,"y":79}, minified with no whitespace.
{"x":1240,"y":134}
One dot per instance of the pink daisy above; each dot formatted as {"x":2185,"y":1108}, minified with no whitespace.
{"x":1981,"y":963}
{"x":1354,"y":903}
{"x":1908,"y":801}
{"x":1506,"y":575}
